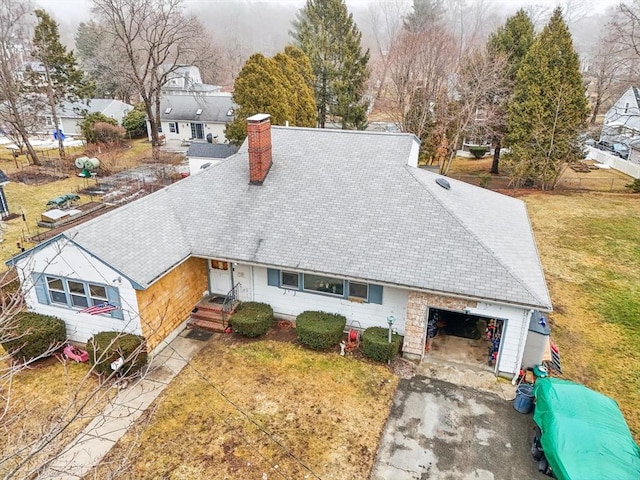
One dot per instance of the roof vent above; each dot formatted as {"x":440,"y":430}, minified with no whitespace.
{"x":443,"y":183}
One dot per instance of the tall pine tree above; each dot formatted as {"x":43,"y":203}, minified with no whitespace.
{"x":281,"y":86}
{"x":547,"y":109}
{"x":60,"y":79}
{"x":512,"y":41}
{"x":326,"y":32}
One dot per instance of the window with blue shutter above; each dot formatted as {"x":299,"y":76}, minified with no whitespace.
{"x":375,"y":294}
{"x":273,"y":277}
{"x":114,"y":299}
{"x":40,"y":286}
{"x":323,"y":285}
{"x":75,"y":294}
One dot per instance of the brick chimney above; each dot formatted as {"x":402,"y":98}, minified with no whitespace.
{"x":259,"y":133}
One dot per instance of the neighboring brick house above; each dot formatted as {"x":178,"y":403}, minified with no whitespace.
{"x":302,"y":219}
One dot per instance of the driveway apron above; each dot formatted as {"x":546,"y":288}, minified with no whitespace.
{"x":439,"y":430}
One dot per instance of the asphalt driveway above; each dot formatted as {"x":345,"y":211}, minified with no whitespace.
{"x":438,"y":430}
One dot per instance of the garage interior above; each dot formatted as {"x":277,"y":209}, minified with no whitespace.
{"x":461,"y":337}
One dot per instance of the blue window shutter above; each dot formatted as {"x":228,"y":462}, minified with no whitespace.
{"x":273,"y":277}
{"x":40,"y":286}
{"x":113,"y":296}
{"x":375,"y":294}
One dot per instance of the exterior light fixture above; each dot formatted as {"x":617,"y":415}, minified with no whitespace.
{"x":390,"y":320}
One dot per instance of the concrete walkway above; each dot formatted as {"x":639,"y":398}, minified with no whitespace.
{"x":94,"y":442}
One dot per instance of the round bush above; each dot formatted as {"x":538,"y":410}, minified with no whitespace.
{"x":478,"y":152}
{"x":320,"y":330}
{"x":252,"y":319}
{"x":375,"y":344}
{"x":31,"y":335}
{"x":107,"y":347}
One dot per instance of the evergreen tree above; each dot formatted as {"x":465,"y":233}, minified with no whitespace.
{"x":547,"y":109}
{"x":424,"y":14}
{"x":60,"y":79}
{"x":281,"y":86}
{"x":512,"y":41}
{"x":326,"y":32}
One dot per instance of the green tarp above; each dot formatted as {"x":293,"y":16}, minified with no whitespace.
{"x":584,"y":435}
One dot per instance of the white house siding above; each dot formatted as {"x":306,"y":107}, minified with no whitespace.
{"x":289,"y":303}
{"x":514,"y":335}
{"x":67,"y":260}
{"x":184,"y":130}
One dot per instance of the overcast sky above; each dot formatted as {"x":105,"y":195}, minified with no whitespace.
{"x":78,"y":10}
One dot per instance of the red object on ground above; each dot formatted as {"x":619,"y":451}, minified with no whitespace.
{"x":75,"y":353}
{"x":353,"y":335}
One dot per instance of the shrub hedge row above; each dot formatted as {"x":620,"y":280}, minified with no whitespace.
{"x":31,"y":335}
{"x":106,"y":347}
{"x":375,"y":344}
{"x":252,"y":319}
{"x":320,"y":330}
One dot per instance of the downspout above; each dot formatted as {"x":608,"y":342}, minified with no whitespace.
{"x":523,"y":334}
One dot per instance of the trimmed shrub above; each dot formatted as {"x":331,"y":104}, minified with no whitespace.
{"x":478,"y":152}
{"x":252,"y":319}
{"x":375,"y":344}
{"x":107,"y":347}
{"x":32,"y":335}
{"x":634,"y":186}
{"x":320,"y":330}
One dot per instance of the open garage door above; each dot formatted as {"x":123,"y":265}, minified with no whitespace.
{"x":464,"y":338}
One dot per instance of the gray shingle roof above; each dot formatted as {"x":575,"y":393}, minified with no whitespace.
{"x":184,"y":107}
{"x":338,"y":202}
{"x":211,"y":150}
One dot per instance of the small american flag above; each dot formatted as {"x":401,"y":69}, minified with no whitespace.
{"x":99,"y":309}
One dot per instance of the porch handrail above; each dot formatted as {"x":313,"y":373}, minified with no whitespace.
{"x":229,"y":301}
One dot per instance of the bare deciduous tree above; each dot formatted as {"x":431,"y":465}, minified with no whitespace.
{"x":18,"y":112}
{"x":156,"y":37}
{"x":608,"y":70}
{"x":420,"y":65}
{"x":475,"y":109}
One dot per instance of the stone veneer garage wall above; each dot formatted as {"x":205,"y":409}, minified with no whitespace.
{"x":415,"y":325}
{"x":169,"y":301}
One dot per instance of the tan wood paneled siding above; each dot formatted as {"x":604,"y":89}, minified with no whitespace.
{"x":169,"y":301}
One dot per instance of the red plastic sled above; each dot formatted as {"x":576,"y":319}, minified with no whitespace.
{"x":75,"y":353}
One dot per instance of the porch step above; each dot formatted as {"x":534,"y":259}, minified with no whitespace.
{"x":210,"y":316}
{"x":211,"y":325}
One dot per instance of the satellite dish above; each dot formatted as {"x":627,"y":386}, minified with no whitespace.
{"x":79,"y":162}
{"x":443,"y":183}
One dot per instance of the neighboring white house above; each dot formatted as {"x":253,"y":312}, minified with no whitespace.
{"x":194,"y":117}
{"x":186,"y":80}
{"x":622,"y":121}
{"x":70,"y":114}
{"x":302,"y":219}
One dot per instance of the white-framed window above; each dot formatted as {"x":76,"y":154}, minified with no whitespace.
{"x":49,"y":121}
{"x":76,"y":294}
{"x":360,"y":292}
{"x":173,"y":127}
{"x":289,"y":279}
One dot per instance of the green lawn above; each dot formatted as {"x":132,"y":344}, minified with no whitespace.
{"x":590,"y":249}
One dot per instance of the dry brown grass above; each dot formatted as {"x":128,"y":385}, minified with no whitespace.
{"x":52,"y":391}
{"x":32,"y":199}
{"x":246,"y":405}
{"x":590,"y":250}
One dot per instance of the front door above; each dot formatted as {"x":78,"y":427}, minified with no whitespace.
{"x":219,"y":277}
